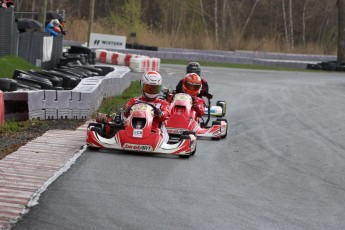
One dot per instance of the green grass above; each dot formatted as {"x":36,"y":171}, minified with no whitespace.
{"x":113,"y":104}
{"x":16,"y":126}
{"x":9,"y":127}
{"x":230,"y":65}
{"x":10,"y":63}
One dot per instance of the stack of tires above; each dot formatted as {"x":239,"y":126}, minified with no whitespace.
{"x":327,"y":66}
{"x":74,"y":66}
{"x":62,"y":78}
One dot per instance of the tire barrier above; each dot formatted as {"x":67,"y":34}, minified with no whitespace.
{"x":78,"y":103}
{"x":137,"y":63}
{"x":327,"y":66}
{"x":2,"y":109}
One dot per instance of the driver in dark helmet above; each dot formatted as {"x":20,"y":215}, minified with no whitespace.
{"x":194,"y":67}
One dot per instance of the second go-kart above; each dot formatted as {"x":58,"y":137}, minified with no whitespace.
{"x":136,"y":135}
{"x":182,"y":118}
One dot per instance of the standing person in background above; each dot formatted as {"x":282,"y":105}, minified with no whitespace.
{"x":3,"y":4}
{"x":51,"y":28}
{"x":9,"y":3}
{"x":62,"y":27}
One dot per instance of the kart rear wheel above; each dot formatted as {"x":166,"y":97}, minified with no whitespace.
{"x":226,"y":131}
{"x":183,"y":156}
{"x":222,"y":104}
{"x":92,"y":148}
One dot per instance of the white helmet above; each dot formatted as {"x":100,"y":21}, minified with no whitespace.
{"x":150,"y":84}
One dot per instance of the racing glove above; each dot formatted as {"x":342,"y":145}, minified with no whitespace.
{"x":127,"y":111}
{"x":195,"y":104}
{"x":158,"y":113}
{"x":209,"y":96}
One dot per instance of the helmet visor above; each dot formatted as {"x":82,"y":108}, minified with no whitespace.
{"x":151,"y":89}
{"x":192,"y":86}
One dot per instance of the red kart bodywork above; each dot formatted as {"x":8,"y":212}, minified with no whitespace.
{"x":138,"y":136}
{"x":182,"y":118}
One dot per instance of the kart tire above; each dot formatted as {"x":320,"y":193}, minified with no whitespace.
{"x":27,"y":85}
{"x":5,"y":84}
{"x":226,"y":131}
{"x":92,"y":148}
{"x":184,"y":137}
{"x":13,"y":85}
{"x":44,"y":83}
{"x":222,"y":104}
{"x":186,"y":133}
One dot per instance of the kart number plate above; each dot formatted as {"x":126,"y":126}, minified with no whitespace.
{"x":137,"y":133}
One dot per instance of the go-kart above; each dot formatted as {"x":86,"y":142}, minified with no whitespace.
{"x":135,"y":134}
{"x":182,"y":118}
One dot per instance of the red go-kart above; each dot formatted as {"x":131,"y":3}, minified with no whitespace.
{"x":182,"y":118}
{"x":136,"y":134}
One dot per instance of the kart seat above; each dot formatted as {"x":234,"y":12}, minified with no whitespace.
{"x":138,"y":123}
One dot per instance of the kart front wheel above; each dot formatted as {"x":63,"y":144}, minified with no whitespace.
{"x":185,"y":137}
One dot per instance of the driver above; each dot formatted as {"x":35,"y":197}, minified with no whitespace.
{"x":191,"y":84}
{"x":194,"y":67}
{"x":150,"y":86}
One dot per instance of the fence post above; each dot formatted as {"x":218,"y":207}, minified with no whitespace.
{"x":2,"y":108}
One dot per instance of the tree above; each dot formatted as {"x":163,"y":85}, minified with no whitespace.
{"x":341,"y":31}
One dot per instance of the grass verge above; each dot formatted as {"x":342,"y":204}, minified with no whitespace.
{"x":10,"y":63}
{"x":17,"y":126}
{"x":113,"y":104}
{"x":231,"y":65}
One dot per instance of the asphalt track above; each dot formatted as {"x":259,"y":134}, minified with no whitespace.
{"x":282,"y":165}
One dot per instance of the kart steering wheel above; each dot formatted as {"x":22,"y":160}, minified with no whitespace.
{"x":155,"y":109}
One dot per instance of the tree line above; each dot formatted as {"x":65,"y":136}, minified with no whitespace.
{"x":221,"y":24}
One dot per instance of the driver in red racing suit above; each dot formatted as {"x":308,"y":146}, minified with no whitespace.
{"x":191,"y":84}
{"x":150,"y":86}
